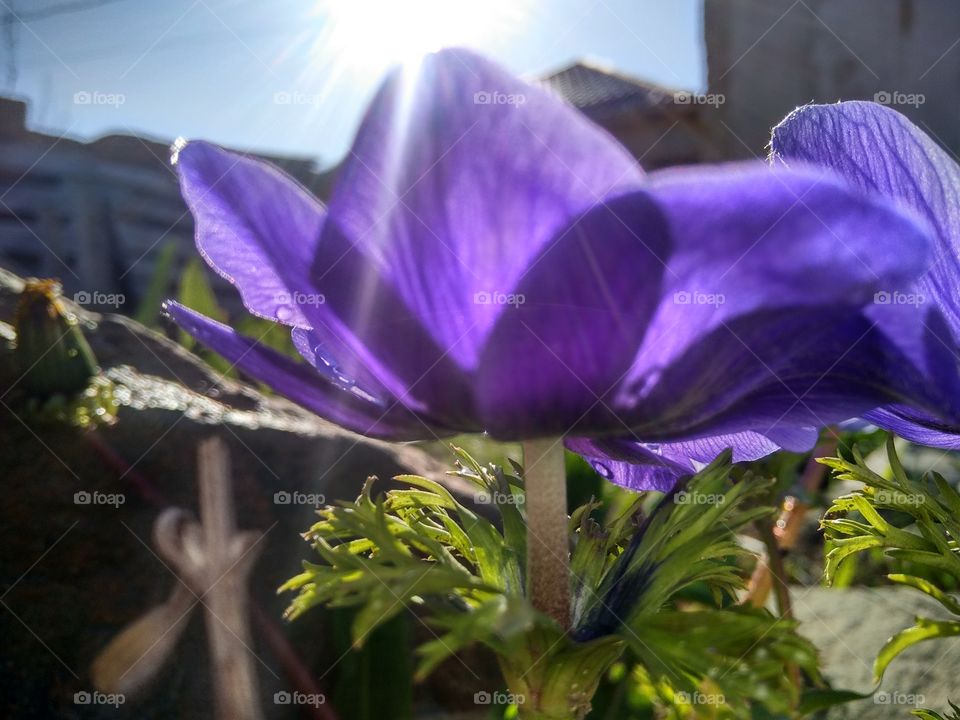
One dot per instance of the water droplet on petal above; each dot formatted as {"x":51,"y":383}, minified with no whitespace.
{"x":318,"y":352}
{"x":603,"y":470}
{"x":284,"y":313}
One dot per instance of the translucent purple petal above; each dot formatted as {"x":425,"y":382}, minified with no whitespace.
{"x":917,"y":426}
{"x":573,"y":323}
{"x":658,"y":466}
{"x":255,"y":226}
{"x":329,"y":395}
{"x":459,"y":176}
{"x":880,"y":150}
{"x":759,"y":326}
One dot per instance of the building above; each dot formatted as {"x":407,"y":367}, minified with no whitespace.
{"x":660,"y":126}
{"x":95,"y":215}
{"x":766,"y":57}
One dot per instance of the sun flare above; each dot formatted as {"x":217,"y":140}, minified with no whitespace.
{"x":378,"y":33}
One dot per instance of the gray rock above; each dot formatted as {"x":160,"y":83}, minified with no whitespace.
{"x":850,"y":626}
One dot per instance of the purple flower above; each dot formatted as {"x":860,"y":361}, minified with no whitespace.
{"x":491,"y":261}
{"x":879,"y":150}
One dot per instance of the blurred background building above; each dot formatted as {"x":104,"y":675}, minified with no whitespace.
{"x":97,"y":215}
{"x":766,"y":57}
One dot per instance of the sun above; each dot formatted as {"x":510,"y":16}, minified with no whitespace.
{"x":375,"y":34}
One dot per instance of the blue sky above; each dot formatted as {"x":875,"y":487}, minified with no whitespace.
{"x":216,"y":68}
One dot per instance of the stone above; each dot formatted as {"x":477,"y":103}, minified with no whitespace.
{"x":849,"y":626}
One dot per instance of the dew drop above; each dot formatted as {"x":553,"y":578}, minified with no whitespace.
{"x":284,"y":313}
{"x":603,"y":470}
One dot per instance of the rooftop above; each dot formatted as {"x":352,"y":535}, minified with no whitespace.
{"x":597,"y":90}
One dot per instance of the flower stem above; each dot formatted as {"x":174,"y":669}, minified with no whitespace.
{"x":548,"y":559}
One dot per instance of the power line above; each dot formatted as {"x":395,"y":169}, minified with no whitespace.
{"x":67,"y":8}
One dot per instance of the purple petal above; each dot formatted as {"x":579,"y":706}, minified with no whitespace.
{"x":255,"y":226}
{"x":574,"y":322}
{"x":777,"y":370}
{"x":658,"y":466}
{"x":459,"y":175}
{"x":761,"y":304}
{"x":262,"y":231}
{"x":916,"y":426}
{"x":329,"y":395}
{"x":880,"y":150}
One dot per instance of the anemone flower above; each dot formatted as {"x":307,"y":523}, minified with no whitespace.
{"x":491,"y":261}
{"x":881,"y":151}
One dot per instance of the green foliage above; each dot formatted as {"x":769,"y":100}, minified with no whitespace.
{"x":52,"y":355}
{"x":374,"y":681}
{"x":159,"y":287}
{"x":56,"y":378}
{"x":931,"y":715}
{"x":641,"y":578}
{"x":422,"y":548}
{"x":661,"y":582}
{"x":195,"y":293}
{"x":688,"y":538}
{"x":917,"y":521}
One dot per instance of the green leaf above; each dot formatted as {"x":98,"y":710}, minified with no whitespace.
{"x":923,"y":630}
{"x":928,"y":715}
{"x":52,"y":355}
{"x":817,"y":699}
{"x":688,"y":538}
{"x":948,"y":601}
{"x":159,"y":287}
{"x":195,"y":293}
{"x":739,"y":651}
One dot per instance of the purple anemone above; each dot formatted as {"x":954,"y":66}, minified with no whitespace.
{"x":881,"y":151}
{"x":491,"y":261}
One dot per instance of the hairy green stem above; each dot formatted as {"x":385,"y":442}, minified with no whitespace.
{"x":548,"y":558}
